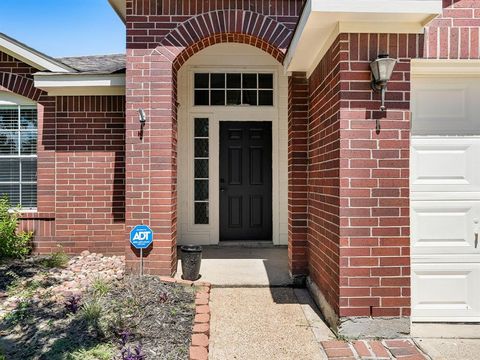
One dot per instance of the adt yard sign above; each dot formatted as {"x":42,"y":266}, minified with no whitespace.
{"x":141,"y":237}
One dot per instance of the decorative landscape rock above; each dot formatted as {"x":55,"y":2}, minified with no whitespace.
{"x":84,"y":269}
{"x":38,"y":319}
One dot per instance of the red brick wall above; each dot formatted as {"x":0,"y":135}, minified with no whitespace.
{"x":323,"y":177}
{"x":297,"y":173}
{"x":374,"y":178}
{"x":9,"y":64}
{"x":81,"y":149}
{"x":90,"y":173}
{"x":161,"y":36}
{"x":455,"y":34}
{"x":359,"y":178}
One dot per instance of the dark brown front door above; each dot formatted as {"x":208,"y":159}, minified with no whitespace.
{"x":245,"y":180}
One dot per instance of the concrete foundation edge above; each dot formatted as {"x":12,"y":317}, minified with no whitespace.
{"x":357,"y":326}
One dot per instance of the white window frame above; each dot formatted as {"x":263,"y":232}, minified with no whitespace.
{"x":225,"y":71}
{"x":11,"y":102}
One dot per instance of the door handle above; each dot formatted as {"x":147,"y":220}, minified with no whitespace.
{"x":475,"y":232}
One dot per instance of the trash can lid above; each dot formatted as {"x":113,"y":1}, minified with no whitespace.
{"x":191,"y":248}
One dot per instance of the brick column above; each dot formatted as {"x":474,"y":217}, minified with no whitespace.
{"x":359,"y":220}
{"x":151,"y":197}
{"x":297,"y":173}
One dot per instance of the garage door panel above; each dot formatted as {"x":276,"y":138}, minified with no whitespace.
{"x":445,"y":165}
{"x":444,"y":227}
{"x":445,"y":198}
{"x":446,"y":106}
{"x":445,"y":292}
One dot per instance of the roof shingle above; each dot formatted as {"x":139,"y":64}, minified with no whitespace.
{"x":105,"y":64}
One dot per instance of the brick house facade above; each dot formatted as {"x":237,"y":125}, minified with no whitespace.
{"x":349,"y":218}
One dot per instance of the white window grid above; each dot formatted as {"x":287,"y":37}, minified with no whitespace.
{"x":19,"y":155}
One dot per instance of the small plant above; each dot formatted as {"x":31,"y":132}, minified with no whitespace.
{"x":91,"y":312}
{"x":56,"y":260}
{"x":99,"y":352}
{"x":135,"y":353}
{"x":125,"y":336}
{"x":13,"y":243}
{"x":163,"y":298}
{"x":72,"y":304}
{"x":21,"y":313}
{"x":100,"y":287}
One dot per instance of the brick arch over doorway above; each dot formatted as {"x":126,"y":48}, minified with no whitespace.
{"x":215,"y":27}
{"x":151,"y":159}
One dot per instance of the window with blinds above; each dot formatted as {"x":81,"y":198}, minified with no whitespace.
{"x":18,"y":155}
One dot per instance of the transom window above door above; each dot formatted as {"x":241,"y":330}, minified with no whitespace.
{"x":231,"y":89}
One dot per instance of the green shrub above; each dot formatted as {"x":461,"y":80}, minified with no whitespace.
{"x":13,"y":243}
{"x":100,"y":287}
{"x":56,"y":260}
{"x":91,"y":313}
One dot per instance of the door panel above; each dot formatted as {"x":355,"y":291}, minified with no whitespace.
{"x":445,"y":164}
{"x":245,"y":180}
{"x":446,"y":292}
{"x":445,"y":227}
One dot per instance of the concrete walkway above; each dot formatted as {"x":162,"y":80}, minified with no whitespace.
{"x":265,"y":323}
{"x":244,"y":266}
{"x":450,"y":349}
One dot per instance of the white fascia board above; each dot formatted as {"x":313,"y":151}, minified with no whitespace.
{"x":445,"y":68}
{"x":120,"y":8}
{"x":323,"y":20}
{"x":377,"y":6}
{"x":81,"y":84}
{"x":30,"y":56}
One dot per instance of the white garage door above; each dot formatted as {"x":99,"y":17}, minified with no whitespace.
{"x":445,"y":199}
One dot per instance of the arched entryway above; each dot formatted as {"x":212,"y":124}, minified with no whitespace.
{"x":153,"y":156}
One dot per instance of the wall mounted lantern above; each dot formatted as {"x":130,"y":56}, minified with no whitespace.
{"x":382,"y":69}
{"x":142,"y":118}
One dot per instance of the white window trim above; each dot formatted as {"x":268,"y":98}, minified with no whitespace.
{"x":215,"y":114}
{"x":8,"y":100}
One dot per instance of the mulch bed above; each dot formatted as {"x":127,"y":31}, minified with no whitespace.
{"x":111,"y":319}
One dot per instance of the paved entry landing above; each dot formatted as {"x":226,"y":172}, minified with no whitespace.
{"x":265,"y":323}
{"x":244,"y":266}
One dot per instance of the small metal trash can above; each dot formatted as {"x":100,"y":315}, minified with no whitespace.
{"x":191,"y":256}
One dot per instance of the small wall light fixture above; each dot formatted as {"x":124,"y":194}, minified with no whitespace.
{"x":142,"y":117}
{"x":382,"y":69}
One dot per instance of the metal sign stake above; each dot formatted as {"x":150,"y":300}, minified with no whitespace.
{"x":141,"y":262}
{"x":141,"y":237}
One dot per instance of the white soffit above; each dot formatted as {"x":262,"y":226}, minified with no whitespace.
{"x":30,"y":56}
{"x":445,"y":67}
{"x":323,"y":20}
{"x":81,"y":84}
{"x":120,"y":8}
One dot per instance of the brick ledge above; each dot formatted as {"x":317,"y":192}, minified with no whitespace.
{"x":36,"y":215}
